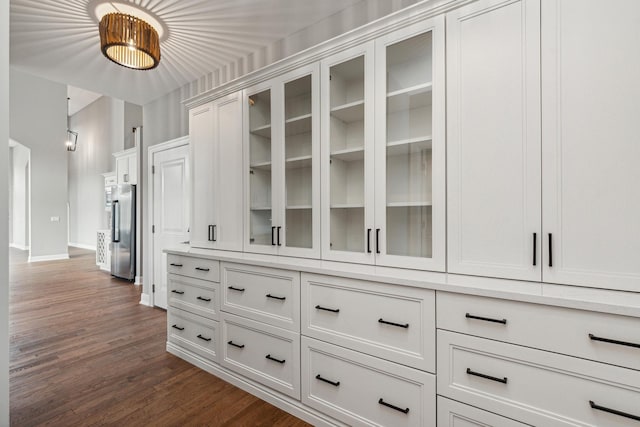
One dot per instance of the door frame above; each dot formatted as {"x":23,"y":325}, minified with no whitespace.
{"x":147,"y":296}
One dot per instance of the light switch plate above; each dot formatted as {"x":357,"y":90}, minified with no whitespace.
{"x":55,"y":219}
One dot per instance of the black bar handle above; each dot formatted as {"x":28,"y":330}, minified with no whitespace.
{"x":177,"y":327}
{"x":215,"y":238}
{"x":204,"y":299}
{"x":203,"y":338}
{"x":389,"y":405}
{"x":377,"y":240}
{"x":400,"y":325}
{"x":235,"y":345}
{"x":273,"y":229}
{"x":333,"y":383}
{"x":278,"y":235}
{"x":275,"y":297}
{"x":115,"y":218}
{"x":535,"y":248}
{"x":550,"y":252}
{"x":173,"y":264}
{"x":268,"y":356}
{"x":178,"y":292}
{"x":613,"y":411}
{"x":333,"y":310}
{"x":202,"y":269}
{"x":235,"y":289}
{"x":486,"y":319}
{"x":610,"y":341}
{"x":502,"y":380}
{"x":368,"y":240}
{"x":210,"y":233}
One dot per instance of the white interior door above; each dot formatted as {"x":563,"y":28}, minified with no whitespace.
{"x":170,"y":212}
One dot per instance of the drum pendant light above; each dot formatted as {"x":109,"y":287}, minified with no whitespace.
{"x":129,"y":41}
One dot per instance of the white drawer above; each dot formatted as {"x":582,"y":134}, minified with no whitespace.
{"x":456,"y":414}
{"x":392,"y":322}
{"x":194,"y":333}
{"x":200,"y":268}
{"x":535,"y":386}
{"x":267,"y":295}
{"x":194,"y":295}
{"x":562,"y":330}
{"x":363,"y":390}
{"x":262,"y":352}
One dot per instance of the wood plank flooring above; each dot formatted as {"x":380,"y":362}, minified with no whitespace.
{"x":84,"y":352}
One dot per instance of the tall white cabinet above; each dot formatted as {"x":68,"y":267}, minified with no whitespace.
{"x":215,"y":132}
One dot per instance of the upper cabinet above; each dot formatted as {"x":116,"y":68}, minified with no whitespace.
{"x":384,"y":150}
{"x":127,"y":166}
{"x":282,"y":158}
{"x":591,"y":151}
{"x":215,"y":134}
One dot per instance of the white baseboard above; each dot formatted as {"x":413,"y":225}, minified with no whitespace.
{"x":55,"y":257}
{"x":138,"y":281}
{"x":20,"y":247}
{"x":145,"y":299}
{"x":82,"y":246}
{"x":281,"y":401}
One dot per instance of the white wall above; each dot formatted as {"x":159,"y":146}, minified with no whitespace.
{"x":4,"y":233}
{"x":132,"y":119}
{"x":38,"y":120}
{"x":19,"y":194}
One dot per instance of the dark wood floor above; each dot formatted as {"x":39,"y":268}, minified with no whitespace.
{"x":84,"y":352}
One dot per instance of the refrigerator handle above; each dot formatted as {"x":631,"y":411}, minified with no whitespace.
{"x":115,"y":219}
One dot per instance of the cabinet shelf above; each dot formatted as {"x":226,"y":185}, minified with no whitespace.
{"x":347,"y":206}
{"x":298,"y":162}
{"x":298,"y":125}
{"x":263,"y":131}
{"x":409,"y":98}
{"x":351,"y":112}
{"x":408,"y":204}
{"x":261,"y":166}
{"x":409,"y":145}
{"x":349,"y":154}
{"x":260,"y":208}
{"x":298,"y":207}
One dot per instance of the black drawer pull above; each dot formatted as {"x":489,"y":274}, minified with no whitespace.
{"x":275,"y":297}
{"x":236,"y":345}
{"x":235,"y":289}
{"x":173,"y":264}
{"x":333,"y":383}
{"x":610,"y":341}
{"x":400,"y":325}
{"x":178,"y":292}
{"x":488,"y":377}
{"x":486,"y":319}
{"x":202,"y":269}
{"x":613,"y":411}
{"x":204,"y":299}
{"x":550,"y":251}
{"x":177,"y":327}
{"x":333,"y":310}
{"x":203,"y":338}
{"x":268,"y":356}
{"x":535,"y":249}
{"x":389,"y":405}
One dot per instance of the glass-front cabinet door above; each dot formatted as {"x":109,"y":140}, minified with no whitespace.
{"x":410,"y":147}
{"x":347,"y":113}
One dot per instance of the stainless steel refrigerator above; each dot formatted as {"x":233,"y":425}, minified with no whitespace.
{"x":123,"y":231}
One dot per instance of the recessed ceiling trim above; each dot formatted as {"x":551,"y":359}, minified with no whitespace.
{"x":99,"y":8}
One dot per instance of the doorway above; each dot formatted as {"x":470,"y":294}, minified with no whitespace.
{"x":19,"y":196}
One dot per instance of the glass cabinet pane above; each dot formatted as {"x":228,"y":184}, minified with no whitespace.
{"x":408,"y":147}
{"x":298,"y":165}
{"x":260,"y":168}
{"x":346,"y":136}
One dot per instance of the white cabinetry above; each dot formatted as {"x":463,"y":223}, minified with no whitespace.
{"x":282,"y":159}
{"x":383,"y":198}
{"x":215,"y":134}
{"x":127,"y":166}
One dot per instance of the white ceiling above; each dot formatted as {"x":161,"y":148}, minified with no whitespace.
{"x":80,"y":98}
{"x":58,"y":40}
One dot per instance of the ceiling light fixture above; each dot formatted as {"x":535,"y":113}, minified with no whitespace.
{"x":129,"y":41}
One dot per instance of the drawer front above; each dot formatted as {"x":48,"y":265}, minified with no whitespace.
{"x":392,"y":322}
{"x":363,"y":390}
{"x":200,"y":268}
{"x":193,"y":295}
{"x":579,"y":333}
{"x":534,"y":386}
{"x":194,"y":333}
{"x":267,"y":295}
{"x":263,"y":353}
{"x":456,"y":414}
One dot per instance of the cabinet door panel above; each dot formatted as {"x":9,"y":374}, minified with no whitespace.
{"x":591,"y":154}
{"x":493,"y":123}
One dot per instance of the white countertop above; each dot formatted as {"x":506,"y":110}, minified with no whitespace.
{"x":583,"y":298}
